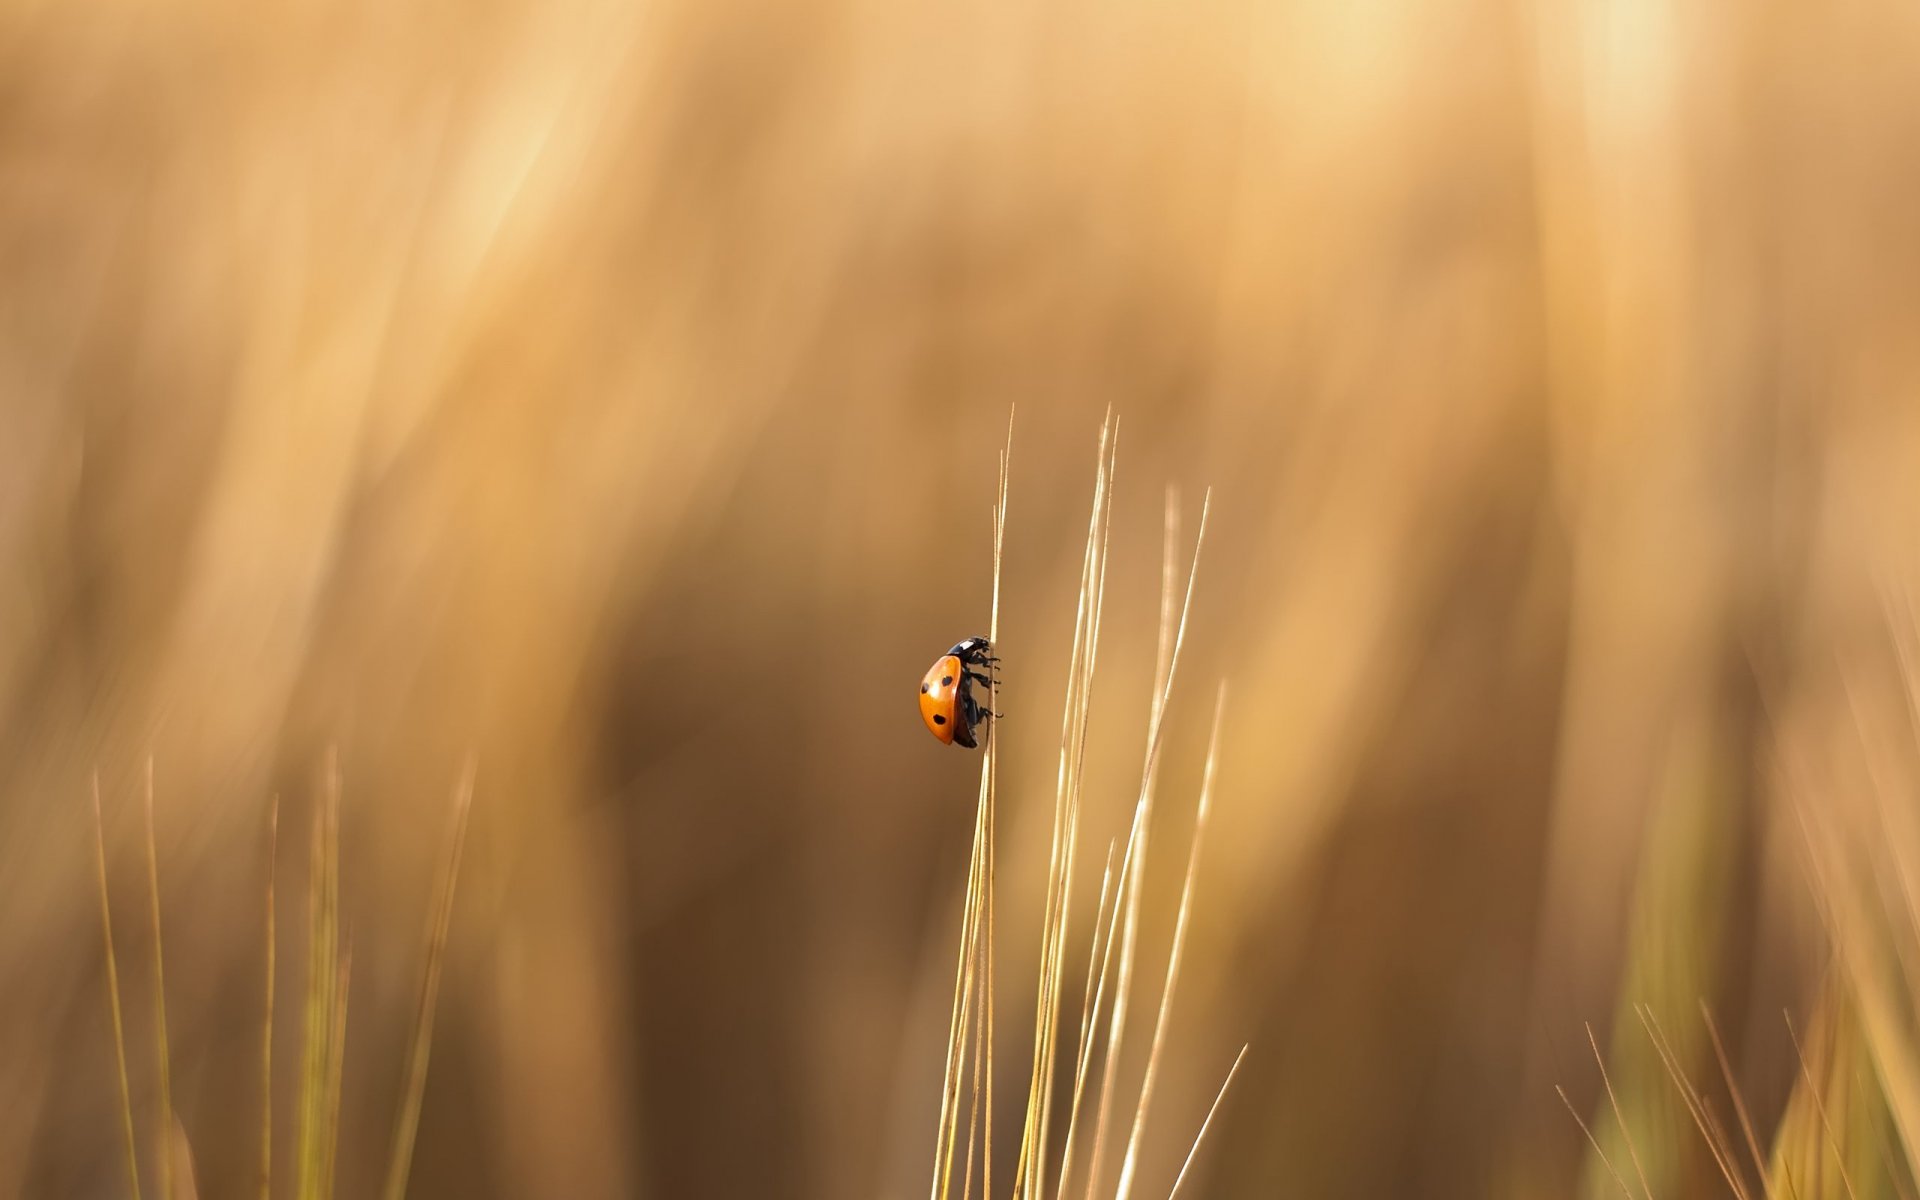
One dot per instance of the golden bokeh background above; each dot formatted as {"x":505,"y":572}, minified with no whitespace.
{"x":612,"y":392}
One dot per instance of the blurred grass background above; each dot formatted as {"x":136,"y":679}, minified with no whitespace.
{"x":612,"y":390}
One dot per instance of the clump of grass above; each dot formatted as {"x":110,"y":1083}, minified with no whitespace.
{"x":323,"y":1009}
{"x":1856,"y":1091}
{"x":1108,"y":980}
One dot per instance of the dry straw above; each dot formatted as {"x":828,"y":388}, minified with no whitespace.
{"x":1112,"y":954}
{"x":323,"y":1010}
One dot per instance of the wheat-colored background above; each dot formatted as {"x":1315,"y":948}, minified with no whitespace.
{"x":613,"y":390}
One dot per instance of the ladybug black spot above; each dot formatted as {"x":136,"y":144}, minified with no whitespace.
{"x":947,"y":682}
{"x":923,"y":687}
{"x":938,"y":719}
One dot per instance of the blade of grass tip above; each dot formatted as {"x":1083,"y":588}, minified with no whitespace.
{"x":1194,"y":1150}
{"x":420,"y":1043}
{"x":337,"y":1059}
{"x":1819,"y":1106}
{"x":1594,"y":1142}
{"x":1739,"y":1103}
{"x":113,"y":993}
{"x":159,"y":1001}
{"x":1696,"y":1103}
{"x":1133,"y":862}
{"x":993,"y":789}
{"x":266,"y":1029}
{"x":1026,"y":1165}
{"x":1613,"y":1101}
{"x":1089,"y":1013}
{"x":1075,"y":792}
{"x":1130,"y":1163}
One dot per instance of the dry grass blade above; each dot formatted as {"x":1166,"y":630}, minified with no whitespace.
{"x":1163,"y":654}
{"x":420,"y":1042}
{"x":973,"y":976}
{"x":113,"y":994}
{"x":1086,"y":637}
{"x":1098,"y":955}
{"x":336,"y":1064}
{"x":1193,"y":1151}
{"x":1593,"y":1141}
{"x":266,"y":1030}
{"x":1819,"y":1106}
{"x":1130,"y":1163}
{"x":1614,"y":1102}
{"x":992,"y":768}
{"x":323,"y":1011}
{"x":1066,"y":820}
{"x":159,"y":1001}
{"x":1739,"y":1104}
{"x":947,"y":1134}
{"x":1133,"y":861}
{"x":1884,"y":1016}
{"x":1703,"y":1119}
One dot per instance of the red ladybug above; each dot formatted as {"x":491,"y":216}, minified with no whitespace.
{"x":947,"y":703}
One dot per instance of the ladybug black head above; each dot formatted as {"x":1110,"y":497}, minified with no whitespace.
{"x":975,"y":650}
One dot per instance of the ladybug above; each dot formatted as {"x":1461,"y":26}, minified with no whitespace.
{"x":947,"y":703}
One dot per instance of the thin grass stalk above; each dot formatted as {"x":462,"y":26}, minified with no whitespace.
{"x":993,"y":787}
{"x":943,"y":1131}
{"x":1133,"y":863}
{"x":1130,"y":1164}
{"x":1739,"y":1104}
{"x":336,"y":1065}
{"x":970,"y":1009}
{"x":1703,"y":1119}
{"x":159,"y":1000}
{"x":948,"y":1131}
{"x":1619,"y":1118}
{"x":420,"y":1043}
{"x":312,"y":1039}
{"x":975,"y":966}
{"x":1060,"y":872}
{"x":1075,"y":793}
{"x":1594,"y":1142}
{"x":973,"y":1110}
{"x":1814,"y":1092}
{"x":266,"y":1026}
{"x":1089,"y":1013}
{"x":113,"y":995}
{"x":323,"y":940}
{"x":1085,"y":633}
{"x":1194,"y":1150}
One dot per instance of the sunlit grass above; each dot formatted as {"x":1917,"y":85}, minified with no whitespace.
{"x":1849,"y":1127}
{"x":1116,"y":921}
{"x":323,"y":1010}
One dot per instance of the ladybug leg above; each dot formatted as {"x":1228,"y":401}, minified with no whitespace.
{"x":972,"y":710}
